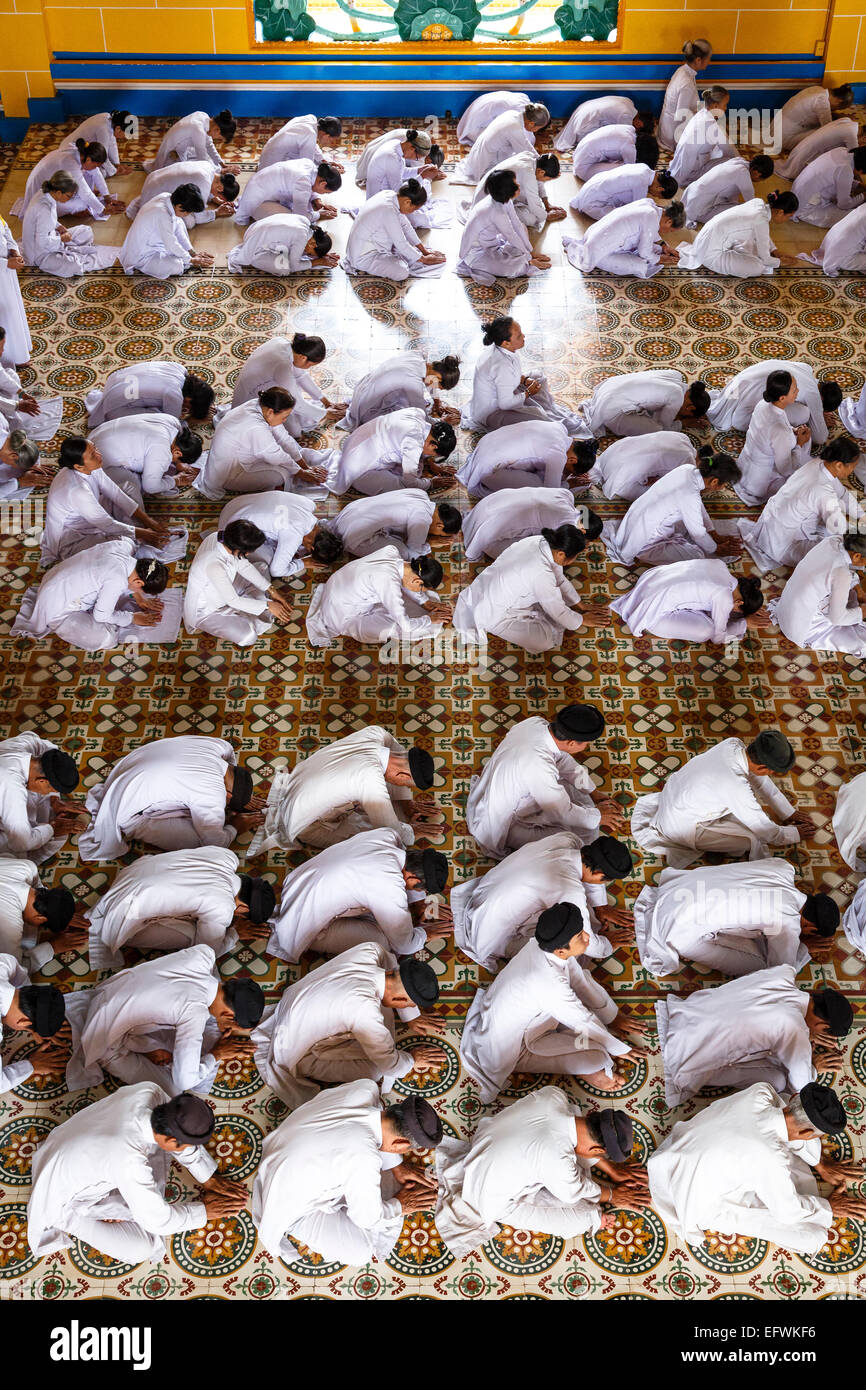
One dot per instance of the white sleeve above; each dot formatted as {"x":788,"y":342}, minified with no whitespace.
{"x":228,"y":594}
{"x":148,"y":1207}
{"x":838,"y":611}
{"x":113,"y":588}
{"x":190,"y":1066}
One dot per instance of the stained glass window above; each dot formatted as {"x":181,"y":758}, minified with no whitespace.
{"x":436,"y":21}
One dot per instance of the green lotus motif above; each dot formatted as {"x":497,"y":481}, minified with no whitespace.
{"x":454,"y":20}
{"x":284,"y":20}
{"x":580,"y":21}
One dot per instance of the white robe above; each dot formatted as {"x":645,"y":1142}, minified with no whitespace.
{"x":519,"y":1168}
{"x":400,"y":519}
{"x":613,"y":188}
{"x":249,"y":455}
{"x":332,"y":1026}
{"x":18,"y":938}
{"x":736,"y":242}
{"x":770,"y":454}
{"x":163,"y":1003}
{"x":528,"y":202}
{"x":12,"y":977}
{"x":382,"y":242}
{"x":732,"y":1168}
{"x":636,"y":403}
{"x":541,"y":1014}
{"x":499,"y":399}
{"x":701,"y":145}
{"x":323,"y":1180}
{"x":711,"y":803}
{"x":185,"y":897}
{"x":25,"y":828}
{"x":805,"y":111}
{"x":723,"y":186}
{"x":523,"y":597}
{"x":83,"y":510}
{"x":854,"y":918}
{"x":18,"y":344}
{"x":383,"y":454}
{"x":226,"y":595}
{"x":849,"y":821}
{"x":529,"y":789}
{"x":136,"y":389}
{"x":530,"y":454}
{"x":687,"y":600}
{"x":605,"y":148}
{"x":496,"y":914}
{"x":734,"y":918}
{"x":681,"y":101}
{"x":103,"y":1165}
{"x":42,"y":247}
{"x":481,"y":112}
{"x":43,"y":425}
{"x":388,"y":168}
{"x":396,"y":383}
{"x":668,"y":523}
{"x":737,"y":1034}
{"x":824,"y":189}
{"x":625,"y":241}
{"x":297,"y":139}
{"x":817,"y":608}
{"x":188,"y":138}
{"x":272,"y":364}
{"x":505,"y":135}
{"x":334,"y":793}
{"x":812,"y":504}
{"x":276,"y":245}
{"x":366,"y":600}
{"x":370,"y":149}
{"x":623,"y":469}
{"x":157,"y":243}
{"x":87,"y":199}
{"x":285,"y":518}
{"x":733,"y":406}
{"x":199,"y":172}
{"x":501,"y":518}
{"x":359,"y":880}
{"x":494,"y":243}
{"x":139,"y":445}
{"x":289,"y":182}
{"x":844,"y":248}
{"x":837,"y":134}
{"x":592,"y":115}
{"x":99,"y":129}
{"x":174,"y":783}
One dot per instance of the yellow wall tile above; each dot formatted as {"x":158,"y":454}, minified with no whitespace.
{"x":231,"y":30}
{"x":25,"y":6}
{"x":22,"y":38}
{"x":40,"y":84}
{"x":75,"y":30}
{"x":666,"y":32}
{"x":842,"y":47}
{"x":169,"y":31}
{"x":13,"y":90}
{"x":793,"y":32}
{"x":652,"y":5}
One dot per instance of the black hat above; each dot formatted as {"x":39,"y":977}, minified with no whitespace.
{"x":259,"y":897}
{"x":421,"y":768}
{"x":420,"y":1121}
{"x":617,"y":1134}
{"x":60,"y":770}
{"x":434,"y":870}
{"x":834,"y":1009}
{"x":242,"y":789}
{"x":419,"y":982}
{"x":45,"y":1006}
{"x":610,"y":856}
{"x":56,"y":906}
{"x":578,"y":723}
{"x":824,"y":1108}
{"x":823,"y":913}
{"x":557,"y":925}
{"x":771,"y":749}
{"x":245,"y":999}
{"x":187,"y":1118}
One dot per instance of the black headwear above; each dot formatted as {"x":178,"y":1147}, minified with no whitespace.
{"x":242,"y":789}
{"x":60,"y":770}
{"x":56,"y":906}
{"x":246,"y":1000}
{"x":420,"y":1121}
{"x":557,"y":925}
{"x":617,"y":1134}
{"x":259,"y":897}
{"x":578,"y":723}
{"x":421,"y":768}
{"x":773,"y":750}
{"x":434,"y":870}
{"x":834,"y":1009}
{"x":824,"y":1108}
{"x":45,"y":1006}
{"x":611,"y":856}
{"x":419,"y":982}
{"x":823,"y":912}
{"x":187,"y":1118}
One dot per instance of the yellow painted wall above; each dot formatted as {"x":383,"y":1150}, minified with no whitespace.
{"x":846,"y":51}
{"x":24,"y":55}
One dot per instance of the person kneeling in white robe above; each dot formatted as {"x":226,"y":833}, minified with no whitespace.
{"x":56,"y":250}
{"x":217,"y":190}
{"x":36,"y":923}
{"x":406,"y":519}
{"x":356,"y":783}
{"x":617,"y":188}
{"x":382,"y":240}
{"x":760,"y":1028}
{"x":844,"y":248}
{"x":524,"y":596}
{"x":36,"y":780}
{"x":724,"y":186}
{"x":702,"y":142}
{"x":287,"y":362}
{"x":737,"y":242}
{"x":545,"y":1013}
{"x":303,"y":137}
{"x":174,"y":793}
{"x":504,"y":395}
{"x":670,"y":523}
{"x":481,"y":113}
{"x":284,"y":244}
{"x":641,"y":402}
{"x":501,"y":518}
{"x":532,"y":786}
{"x":628,"y":467}
{"x":294,"y":542}
{"x":150,"y":454}
{"x":732,"y":407}
{"x":693,"y":601}
{"x":849,"y":821}
{"x":611,"y":147}
{"x":164,"y":387}
{"x":734,"y":918}
{"x":338,"y":1024}
{"x":170,"y":1021}
{"x":100,"y":599}
{"x":335,"y":1175}
{"x":529,"y":1167}
{"x":368,"y":888}
{"x":628,"y":241}
{"x":495,"y":241}
{"x":830,"y":187}
{"x":601,"y":111}
{"x":532,"y":172}
{"x":811,"y":505}
{"x":377,"y":597}
{"x":226,"y":594}
{"x":744,"y":1165}
{"x":809,"y":110}
{"x":710,"y":804}
{"x":253,"y":451}
{"x":495,"y":915}
{"x":37,"y":1011}
{"x":401,"y":449}
{"x":535,"y":454}
{"x":186,"y":897}
{"x":100,"y":1176}
{"x":289,"y":185}
{"x":508,"y":133}
{"x":157,"y":243}
{"x":822,"y":605}
{"x":399,"y":382}
{"x":774,"y":448}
